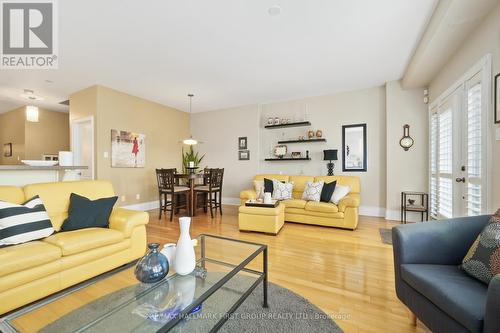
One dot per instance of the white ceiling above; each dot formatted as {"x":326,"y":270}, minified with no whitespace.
{"x":227,"y":52}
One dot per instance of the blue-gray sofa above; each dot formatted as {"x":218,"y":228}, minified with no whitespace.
{"x":431,"y":284}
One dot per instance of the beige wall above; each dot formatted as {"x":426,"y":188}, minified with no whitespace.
{"x":164,"y":127}
{"x":31,"y":140}
{"x":406,"y":170}
{"x":220,"y":130}
{"x":48,"y":136}
{"x":485,"y":39}
{"x":12,"y":131}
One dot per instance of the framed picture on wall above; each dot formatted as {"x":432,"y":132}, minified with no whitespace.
{"x":497,"y":99}
{"x":244,"y":155}
{"x":354,"y":154}
{"x":7,"y":150}
{"x":242,"y":143}
{"x":128,"y":149}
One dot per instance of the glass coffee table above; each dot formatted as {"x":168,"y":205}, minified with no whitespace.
{"x":227,"y":271}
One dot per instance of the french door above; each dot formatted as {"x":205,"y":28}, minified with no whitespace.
{"x":458,"y":148}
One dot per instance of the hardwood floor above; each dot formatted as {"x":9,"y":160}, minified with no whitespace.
{"x":348,"y":274}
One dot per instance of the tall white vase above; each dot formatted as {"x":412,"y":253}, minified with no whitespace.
{"x":185,"y":260}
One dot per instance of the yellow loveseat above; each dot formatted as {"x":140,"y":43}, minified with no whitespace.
{"x":343,"y":215}
{"x":33,"y":270}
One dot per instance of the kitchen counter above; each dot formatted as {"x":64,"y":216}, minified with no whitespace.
{"x":21,"y":175}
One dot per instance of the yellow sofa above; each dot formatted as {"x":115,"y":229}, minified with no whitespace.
{"x":343,"y":215}
{"x":33,"y":270}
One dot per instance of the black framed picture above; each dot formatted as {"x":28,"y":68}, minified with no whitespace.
{"x":244,"y":155}
{"x":497,"y":99}
{"x":354,"y":154}
{"x":242,"y":143}
{"x":7,"y":150}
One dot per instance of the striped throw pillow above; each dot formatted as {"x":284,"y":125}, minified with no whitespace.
{"x":24,"y":223}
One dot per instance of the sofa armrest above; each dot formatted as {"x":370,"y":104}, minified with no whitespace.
{"x":436,"y":242}
{"x":125,"y":220}
{"x":248,"y":194}
{"x":491,"y":318}
{"x":351,"y":200}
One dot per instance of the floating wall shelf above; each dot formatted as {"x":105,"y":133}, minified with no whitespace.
{"x":297,"y":124}
{"x":302,"y":141}
{"x":288,"y":159}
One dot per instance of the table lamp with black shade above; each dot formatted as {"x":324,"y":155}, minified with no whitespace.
{"x":330,"y":155}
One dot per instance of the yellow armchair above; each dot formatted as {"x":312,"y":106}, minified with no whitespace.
{"x":126,"y":220}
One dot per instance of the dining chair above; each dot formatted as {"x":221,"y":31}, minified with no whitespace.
{"x":169,"y":192}
{"x":212,"y":190}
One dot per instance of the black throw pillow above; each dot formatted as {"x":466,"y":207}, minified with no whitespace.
{"x":327,"y":191}
{"x":85,"y":213}
{"x":268,"y":185}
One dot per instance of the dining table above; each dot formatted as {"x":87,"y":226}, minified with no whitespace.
{"x":190,"y":178}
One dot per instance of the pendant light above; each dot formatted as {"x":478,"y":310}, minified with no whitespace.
{"x":32,"y":113}
{"x":190,"y":141}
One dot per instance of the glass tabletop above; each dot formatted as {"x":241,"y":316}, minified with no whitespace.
{"x":227,"y":271}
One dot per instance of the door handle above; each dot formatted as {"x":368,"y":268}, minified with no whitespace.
{"x":460,"y":180}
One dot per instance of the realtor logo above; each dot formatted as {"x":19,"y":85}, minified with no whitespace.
{"x":28,"y":34}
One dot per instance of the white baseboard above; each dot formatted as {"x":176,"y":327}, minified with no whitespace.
{"x":144,"y":206}
{"x":372,"y":211}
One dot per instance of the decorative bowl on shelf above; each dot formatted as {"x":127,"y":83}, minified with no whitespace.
{"x":296,"y":154}
{"x":42,"y":163}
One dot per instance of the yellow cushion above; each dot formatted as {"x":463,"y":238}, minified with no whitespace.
{"x":12,"y":194}
{"x":299,"y":184}
{"x":321,"y":207}
{"x":71,"y":242}
{"x":303,"y":212}
{"x":55,"y":196}
{"x":248,"y":194}
{"x":351,"y":181}
{"x":281,"y":178}
{"x":23,"y":256}
{"x":294,"y":203}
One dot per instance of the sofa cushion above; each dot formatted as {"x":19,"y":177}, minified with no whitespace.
{"x":312,"y":192}
{"x":55,"y":196}
{"x":321,"y":207}
{"x":12,"y":194}
{"x":85,"y":213}
{"x":72,"y":242}
{"x":23,"y":256}
{"x":351,"y":181}
{"x":483,"y":259}
{"x":449,"y":288}
{"x":299,"y":185}
{"x":294,"y":203}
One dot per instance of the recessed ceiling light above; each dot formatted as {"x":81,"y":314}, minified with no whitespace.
{"x":49,"y":81}
{"x":274,"y":10}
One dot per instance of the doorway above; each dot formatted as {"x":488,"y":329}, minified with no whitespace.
{"x":82,"y":145}
{"x":459,"y":132}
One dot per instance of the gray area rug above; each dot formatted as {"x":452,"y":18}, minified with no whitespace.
{"x":287,"y":313}
{"x":386,"y":235}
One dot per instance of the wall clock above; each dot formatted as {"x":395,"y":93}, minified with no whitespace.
{"x":406,"y":141}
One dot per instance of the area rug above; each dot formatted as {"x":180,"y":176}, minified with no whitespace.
{"x":386,"y":235}
{"x":287,"y":313}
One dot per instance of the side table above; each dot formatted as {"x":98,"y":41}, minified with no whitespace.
{"x":419,"y":204}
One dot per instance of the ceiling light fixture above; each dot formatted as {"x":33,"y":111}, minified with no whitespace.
{"x":274,"y":10}
{"x":190,"y":141}
{"x":32,"y":113}
{"x":30,"y":94}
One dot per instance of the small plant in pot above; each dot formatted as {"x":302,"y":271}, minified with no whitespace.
{"x":190,"y":156}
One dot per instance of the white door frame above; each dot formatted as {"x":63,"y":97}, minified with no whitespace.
{"x":74,"y":137}
{"x":484,"y":66}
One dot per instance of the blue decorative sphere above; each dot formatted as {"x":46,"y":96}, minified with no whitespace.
{"x":153,"y":266}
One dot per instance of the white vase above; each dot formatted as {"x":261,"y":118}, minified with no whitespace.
{"x":185,"y":260}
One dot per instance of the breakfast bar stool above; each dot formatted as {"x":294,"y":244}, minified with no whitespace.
{"x":213,"y":190}
{"x":167,"y":188}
